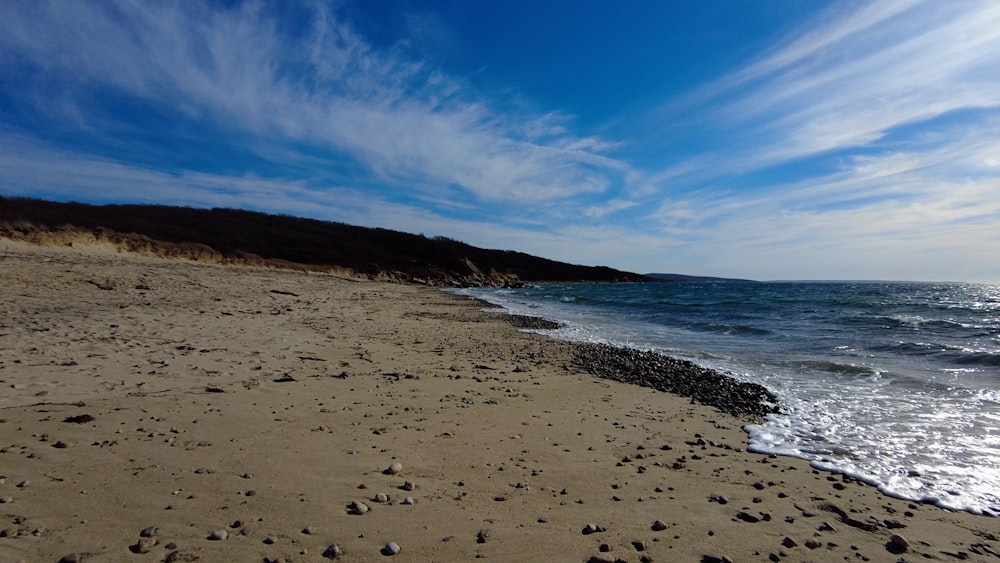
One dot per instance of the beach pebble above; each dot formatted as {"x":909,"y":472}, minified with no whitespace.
{"x":332,"y":551}
{"x":70,"y":558}
{"x":308,"y":530}
{"x":391,"y":548}
{"x":409,"y":486}
{"x":592,"y":529}
{"x":358,"y":507}
{"x":716,"y":559}
{"x":144,"y":545}
{"x":789,"y":542}
{"x":62,"y":444}
{"x":6,"y":500}
{"x":899,"y":542}
{"x":269,"y":539}
{"x":482,"y":536}
{"x":381,"y":497}
{"x":148,"y":532}
{"x":407,"y":501}
{"x":218,"y":535}
{"x":394,"y":469}
{"x":659,"y":526}
{"x":813,"y":544}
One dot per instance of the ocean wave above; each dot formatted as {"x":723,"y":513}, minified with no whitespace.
{"x":946,"y":353}
{"x":841,"y":368}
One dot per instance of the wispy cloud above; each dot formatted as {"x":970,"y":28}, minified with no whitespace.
{"x":851,"y":77}
{"x":323,"y":84}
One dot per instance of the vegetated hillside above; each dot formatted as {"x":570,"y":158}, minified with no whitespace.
{"x":247,"y":236}
{"x":687,"y":278}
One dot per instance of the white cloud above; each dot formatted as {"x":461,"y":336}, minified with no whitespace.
{"x":240,"y":69}
{"x":608,"y":208}
{"x":855,"y":74}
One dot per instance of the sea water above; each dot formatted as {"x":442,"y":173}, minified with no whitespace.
{"x":895,"y":384}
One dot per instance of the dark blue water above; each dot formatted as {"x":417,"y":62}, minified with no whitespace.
{"x":897,"y":384}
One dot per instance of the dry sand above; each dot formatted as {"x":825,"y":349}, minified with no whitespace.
{"x":262,"y":403}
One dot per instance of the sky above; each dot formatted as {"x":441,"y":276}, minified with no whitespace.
{"x":786,"y":139}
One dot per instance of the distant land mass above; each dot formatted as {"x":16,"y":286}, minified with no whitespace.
{"x":686,"y":278}
{"x":238,"y":236}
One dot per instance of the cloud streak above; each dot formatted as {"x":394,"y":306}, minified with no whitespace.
{"x":322,"y":84}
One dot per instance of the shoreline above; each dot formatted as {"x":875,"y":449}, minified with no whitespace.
{"x":257,"y":402}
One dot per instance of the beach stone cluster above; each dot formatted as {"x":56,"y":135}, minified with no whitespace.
{"x":680,"y":377}
{"x":525,"y":322}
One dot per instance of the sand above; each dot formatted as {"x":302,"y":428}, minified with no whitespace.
{"x":185,"y":399}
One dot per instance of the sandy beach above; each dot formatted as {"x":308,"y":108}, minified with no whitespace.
{"x":170,"y":410}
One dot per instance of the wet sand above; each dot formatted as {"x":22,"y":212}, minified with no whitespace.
{"x":185,"y":399}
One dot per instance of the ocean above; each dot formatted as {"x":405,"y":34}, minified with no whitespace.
{"x":895,"y":384}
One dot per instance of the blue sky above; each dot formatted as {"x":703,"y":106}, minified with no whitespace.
{"x":791,"y":139}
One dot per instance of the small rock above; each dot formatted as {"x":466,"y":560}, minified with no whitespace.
{"x":604,"y":548}
{"x":746,"y":517}
{"x":381,"y":498}
{"x":144,"y":545}
{"x":333,"y":551}
{"x":62,"y":444}
{"x":218,"y":535}
{"x":407,"y":501}
{"x":394,"y":469}
{"x":269,"y":539}
{"x":79,"y":419}
{"x":900,"y":543}
{"x":639,"y":545}
{"x":357,"y":507}
{"x":201,"y":470}
{"x":391,"y":548}
{"x":715,"y":559}
{"x":813,"y":544}
{"x":6,"y":500}
{"x":789,"y":542}
{"x":659,"y":526}
{"x":409,"y":486}
{"x":308,"y":530}
{"x":482,"y":536}
{"x":70,"y":558}
{"x":592,"y":529}
{"x":148,"y":532}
